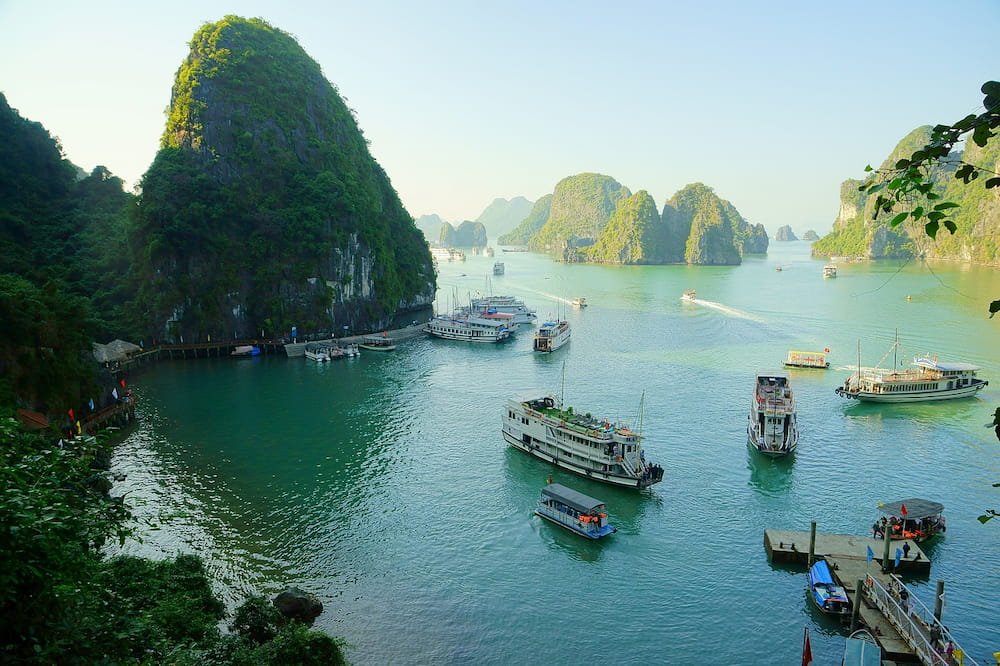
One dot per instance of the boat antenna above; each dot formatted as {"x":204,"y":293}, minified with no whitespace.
{"x":895,"y":348}
{"x":562,"y":389}
{"x":642,"y":402}
{"x":859,"y":365}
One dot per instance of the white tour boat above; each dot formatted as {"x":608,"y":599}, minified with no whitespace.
{"x":585,"y":515}
{"x":928,"y":379}
{"x":498,"y":268}
{"x":468,"y":329}
{"x":772,"y":427}
{"x":378,"y":343}
{"x":319,"y":352}
{"x":829,"y":271}
{"x":509,"y":304}
{"x":552,"y":335}
{"x":579,"y":443}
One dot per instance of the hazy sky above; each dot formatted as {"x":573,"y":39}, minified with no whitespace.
{"x":772,"y":104}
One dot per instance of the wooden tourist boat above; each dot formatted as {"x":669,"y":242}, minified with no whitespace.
{"x":575,"y":511}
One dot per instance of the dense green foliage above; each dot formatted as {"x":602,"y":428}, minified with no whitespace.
{"x":264,"y":181}
{"x":503,"y":215}
{"x":44,"y":346}
{"x":633,"y":235}
{"x":530,"y":225}
{"x":709,"y":229}
{"x":581,"y":206}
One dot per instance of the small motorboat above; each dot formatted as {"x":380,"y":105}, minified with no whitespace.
{"x":575,"y":511}
{"x":689,"y":295}
{"x":580,"y":302}
{"x":828,"y":595}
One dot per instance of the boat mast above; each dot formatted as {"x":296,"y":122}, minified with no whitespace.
{"x":895,"y":348}
{"x":562,"y":389}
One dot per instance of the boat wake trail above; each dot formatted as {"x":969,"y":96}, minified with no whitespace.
{"x":546,"y":294}
{"x":725,"y":309}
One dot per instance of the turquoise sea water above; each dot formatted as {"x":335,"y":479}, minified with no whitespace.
{"x":383,"y":483}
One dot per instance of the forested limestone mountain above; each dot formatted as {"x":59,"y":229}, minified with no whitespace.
{"x":468,"y":234}
{"x":785,"y":233}
{"x":633,"y":235}
{"x":581,"y":206}
{"x":263,"y":208}
{"x":530,"y":225}
{"x":503,"y":215}
{"x":430,"y":225}
{"x":977,"y":236}
{"x":810,"y":235}
{"x":701,"y":228}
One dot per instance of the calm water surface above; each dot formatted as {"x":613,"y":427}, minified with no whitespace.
{"x":383,"y":483}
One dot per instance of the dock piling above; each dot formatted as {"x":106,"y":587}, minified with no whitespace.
{"x":886,"y":541}
{"x":812,"y":544}
{"x":856,"y":609}
{"x":939,"y":600}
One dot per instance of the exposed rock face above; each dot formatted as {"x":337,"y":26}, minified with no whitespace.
{"x":810,"y":236}
{"x":785,"y":233}
{"x":503,"y":215}
{"x":581,"y":206}
{"x":530,"y":225}
{"x":755,"y":240}
{"x":633,"y":235}
{"x":263,"y":208}
{"x":704,"y":229}
{"x":468,"y":234}
{"x":298,"y":604}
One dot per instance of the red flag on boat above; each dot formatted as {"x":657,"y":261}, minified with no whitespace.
{"x":70,"y":412}
{"x":807,"y":653}
{"x":902,"y":510}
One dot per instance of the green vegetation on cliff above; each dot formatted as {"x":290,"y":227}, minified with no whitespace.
{"x":581,"y":206}
{"x":702,"y":228}
{"x":262,"y":183}
{"x":633,"y":235}
{"x":530,"y":225}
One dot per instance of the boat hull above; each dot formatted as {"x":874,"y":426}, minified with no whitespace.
{"x":592,"y":534}
{"x":595,"y":475}
{"x":917,"y":396}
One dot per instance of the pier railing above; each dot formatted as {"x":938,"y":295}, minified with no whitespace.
{"x":921,"y":630}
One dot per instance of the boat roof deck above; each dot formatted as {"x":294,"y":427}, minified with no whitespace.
{"x":571,"y":498}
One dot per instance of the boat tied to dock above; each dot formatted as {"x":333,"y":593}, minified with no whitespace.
{"x":915,"y":519}
{"x":826,"y":593}
{"x":575,"y":511}
{"x":579,"y":443}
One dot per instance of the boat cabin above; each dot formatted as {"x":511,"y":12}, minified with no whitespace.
{"x":807,"y":359}
{"x":916,"y":519}
{"x":575,"y":511}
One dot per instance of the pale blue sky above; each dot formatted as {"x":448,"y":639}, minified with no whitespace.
{"x":773,"y":104}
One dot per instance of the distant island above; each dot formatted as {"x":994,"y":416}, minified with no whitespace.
{"x":593,"y":218}
{"x":785,"y":233}
{"x":810,"y":236}
{"x":467,"y":234}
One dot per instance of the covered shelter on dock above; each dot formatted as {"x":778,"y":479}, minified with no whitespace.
{"x":114,"y":352}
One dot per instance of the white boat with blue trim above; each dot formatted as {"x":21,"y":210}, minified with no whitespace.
{"x":552,"y":335}
{"x":575,"y":511}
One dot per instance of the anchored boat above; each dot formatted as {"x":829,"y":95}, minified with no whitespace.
{"x":828,"y":595}
{"x":928,"y":379}
{"x":807,"y":359}
{"x":575,"y":511}
{"x":914,"y":518}
{"x":772,"y":428}
{"x":579,"y":443}
{"x":552,"y":335}
{"x":377,"y":343}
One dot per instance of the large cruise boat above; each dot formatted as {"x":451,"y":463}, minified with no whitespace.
{"x":772,"y":427}
{"x":552,"y":335}
{"x":599,"y":450}
{"x":468,"y":329}
{"x":929,"y":379}
{"x":508,"y":304}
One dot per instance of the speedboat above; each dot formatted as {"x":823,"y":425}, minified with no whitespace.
{"x":828,"y":595}
{"x":689,"y":295}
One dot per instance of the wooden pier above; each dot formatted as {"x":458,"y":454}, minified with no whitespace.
{"x":847,"y":556}
{"x":120,"y":414}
